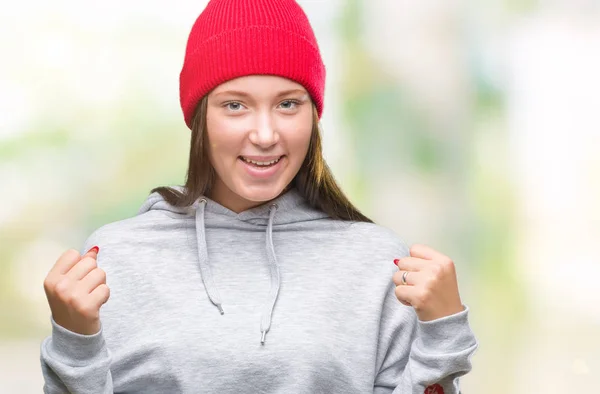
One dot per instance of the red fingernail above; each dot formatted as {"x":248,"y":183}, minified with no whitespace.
{"x":396,"y":261}
{"x":95,"y":249}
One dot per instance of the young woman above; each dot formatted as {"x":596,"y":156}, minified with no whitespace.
{"x":258,"y":275}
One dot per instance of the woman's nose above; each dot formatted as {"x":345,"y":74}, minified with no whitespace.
{"x":265,"y":133}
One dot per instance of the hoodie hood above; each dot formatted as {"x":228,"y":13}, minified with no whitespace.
{"x":289,"y":208}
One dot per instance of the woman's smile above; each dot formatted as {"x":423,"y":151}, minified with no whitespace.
{"x":262,"y":167}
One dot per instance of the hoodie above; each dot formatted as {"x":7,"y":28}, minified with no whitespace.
{"x":276,"y":299}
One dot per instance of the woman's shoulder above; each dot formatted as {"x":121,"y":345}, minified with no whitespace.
{"x":375,"y":232}
{"x":375,"y":237}
{"x":127,"y":231}
{"x":109,"y":232}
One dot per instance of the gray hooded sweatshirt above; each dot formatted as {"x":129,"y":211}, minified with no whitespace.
{"x":276,"y":299}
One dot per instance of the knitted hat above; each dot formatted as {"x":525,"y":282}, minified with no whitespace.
{"x":235,"y":38}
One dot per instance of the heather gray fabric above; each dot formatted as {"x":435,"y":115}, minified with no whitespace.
{"x":195,"y":291}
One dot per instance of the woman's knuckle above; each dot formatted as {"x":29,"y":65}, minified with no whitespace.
{"x":436,"y":271}
{"x":415,"y":248}
{"x":398,"y":292}
{"x":49,"y":285}
{"x":101,"y":274}
{"x":90,"y":263}
{"x":63,"y":288}
{"x":447,"y":263}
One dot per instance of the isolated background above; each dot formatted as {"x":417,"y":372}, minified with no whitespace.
{"x":472,"y":126}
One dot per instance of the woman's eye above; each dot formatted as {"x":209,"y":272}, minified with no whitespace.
{"x":233,"y":106}
{"x":289,"y":104}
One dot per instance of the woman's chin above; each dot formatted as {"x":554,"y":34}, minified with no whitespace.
{"x":261,"y":194}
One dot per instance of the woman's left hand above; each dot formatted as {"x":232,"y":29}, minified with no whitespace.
{"x":431,"y":286}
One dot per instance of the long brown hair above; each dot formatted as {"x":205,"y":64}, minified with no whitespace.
{"x":314,"y":180}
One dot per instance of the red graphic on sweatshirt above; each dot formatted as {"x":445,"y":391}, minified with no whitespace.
{"x":434,"y":389}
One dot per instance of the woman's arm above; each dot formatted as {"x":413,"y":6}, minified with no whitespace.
{"x":75,"y":358}
{"x":417,"y":356}
{"x":424,"y":348}
{"x":75,"y":363}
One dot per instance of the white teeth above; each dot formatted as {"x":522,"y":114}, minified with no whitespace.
{"x":260,"y":163}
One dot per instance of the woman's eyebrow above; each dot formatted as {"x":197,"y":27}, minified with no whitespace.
{"x":233,"y":93}
{"x":291,"y":91}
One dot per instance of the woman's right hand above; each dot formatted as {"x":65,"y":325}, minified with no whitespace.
{"x":76,"y":289}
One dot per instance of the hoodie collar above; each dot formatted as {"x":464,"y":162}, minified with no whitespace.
{"x":286,"y":205}
{"x":291,"y":208}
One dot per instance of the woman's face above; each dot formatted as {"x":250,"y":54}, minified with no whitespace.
{"x":259,"y":129}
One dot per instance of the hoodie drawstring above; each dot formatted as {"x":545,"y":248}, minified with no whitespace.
{"x":265,"y":323}
{"x":207,"y":278}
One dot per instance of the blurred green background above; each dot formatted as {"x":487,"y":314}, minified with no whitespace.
{"x":469,"y":126}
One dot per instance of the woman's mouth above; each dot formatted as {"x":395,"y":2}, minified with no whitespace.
{"x":261,"y":167}
{"x":263,"y":163}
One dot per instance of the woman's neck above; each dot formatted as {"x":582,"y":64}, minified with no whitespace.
{"x":221,"y":194}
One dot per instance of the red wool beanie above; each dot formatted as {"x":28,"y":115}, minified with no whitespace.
{"x":235,"y":38}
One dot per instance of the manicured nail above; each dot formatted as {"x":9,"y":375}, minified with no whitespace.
{"x":396,"y":261}
{"x":94,"y":249}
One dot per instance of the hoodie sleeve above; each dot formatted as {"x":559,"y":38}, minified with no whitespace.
{"x":75,"y":363}
{"x":422,"y":357}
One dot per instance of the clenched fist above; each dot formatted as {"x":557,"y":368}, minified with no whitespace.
{"x":426,"y":280}
{"x":76,"y":289}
